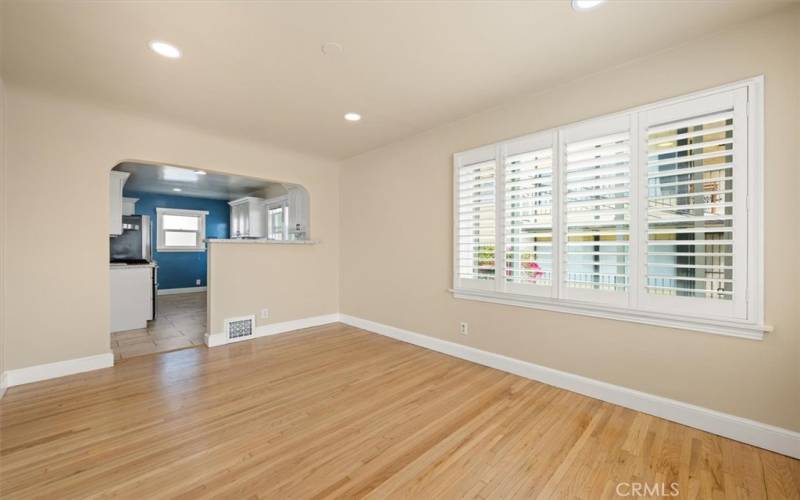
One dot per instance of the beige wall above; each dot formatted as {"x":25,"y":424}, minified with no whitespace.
{"x":2,"y":228}
{"x":248,"y":277}
{"x":396,"y":235}
{"x":59,"y":155}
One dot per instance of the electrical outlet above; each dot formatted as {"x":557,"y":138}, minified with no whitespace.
{"x":463,"y":328}
{"x":265,"y":314}
{"x":197,"y":282}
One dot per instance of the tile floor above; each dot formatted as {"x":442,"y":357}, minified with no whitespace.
{"x":181,"y":323}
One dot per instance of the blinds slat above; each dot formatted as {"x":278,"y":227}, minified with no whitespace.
{"x":689,"y":135}
{"x":693,"y":290}
{"x":690,"y":122}
{"x":690,"y":158}
{"x":703,"y":243}
{"x":690,"y":195}
{"x":707,"y":180}
{"x":690,"y":147}
{"x":598,"y":167}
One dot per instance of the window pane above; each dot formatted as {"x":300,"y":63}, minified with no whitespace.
{"x":476,"y":221}
{"x":597,"y":206}
{"x":184,"y":222}
{"x":180,"y":239}
{"x":276,"y":220}
{"x":528,"y":217}
{"x":690,"y":207}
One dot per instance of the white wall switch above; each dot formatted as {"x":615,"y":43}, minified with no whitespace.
{"x":265,"y":314}
{"x":197,"y":282}
{"x":463,"y":328}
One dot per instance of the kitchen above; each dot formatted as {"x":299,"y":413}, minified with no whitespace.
{"x":162,"y":218}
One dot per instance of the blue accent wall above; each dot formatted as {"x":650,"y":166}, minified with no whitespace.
{"x":181,"y":269}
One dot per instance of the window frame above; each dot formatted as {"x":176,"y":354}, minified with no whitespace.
{"x":201,"y":229}
{"x":749,"y":324}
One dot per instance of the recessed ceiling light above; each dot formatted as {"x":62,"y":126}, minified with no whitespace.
{"x":177,"y":190}
{"x":586,"y":4}
{"x":165,"y":49}
{"x":200,"y":172}
{"x":352,"y":117}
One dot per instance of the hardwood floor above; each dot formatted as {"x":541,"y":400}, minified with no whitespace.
{"x":338,"y":412}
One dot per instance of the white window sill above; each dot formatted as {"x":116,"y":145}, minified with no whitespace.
{"x":730,"y":328}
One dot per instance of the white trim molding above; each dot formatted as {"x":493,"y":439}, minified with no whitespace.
{"x":3,"y":384}
{"x":765,"y":436}
{"x":218,"y":339}
{"x":731,"y":328}
{"x":47,"y":371}
{"x":176,"y":291}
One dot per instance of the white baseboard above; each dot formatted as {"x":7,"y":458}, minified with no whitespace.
{"x":3,"y":384}
{"x":218,"y":339}
{"x":58,"y":369}
{"x":174,"y":291}
{"x":741,"y":429}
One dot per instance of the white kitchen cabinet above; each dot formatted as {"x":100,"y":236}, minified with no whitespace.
{"x":129,"y":206}
{"x":131,"y":297}
{"x":116,"y":183}
{"x":248,"y":218}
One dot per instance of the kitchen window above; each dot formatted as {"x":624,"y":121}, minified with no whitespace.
{"x":181,"y":230}
{"x":650,"y":215}
{"x":278,"y":219}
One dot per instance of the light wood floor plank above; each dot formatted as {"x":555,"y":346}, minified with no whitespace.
{"x":336,"y":412}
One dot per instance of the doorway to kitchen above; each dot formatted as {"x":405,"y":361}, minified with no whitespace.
{"x":162,"y":218}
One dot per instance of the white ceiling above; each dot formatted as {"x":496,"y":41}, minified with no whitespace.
{"x":255,"y":69}
{"x":162,"y":179}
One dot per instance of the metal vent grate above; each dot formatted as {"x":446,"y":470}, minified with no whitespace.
{"x":238,"y":328}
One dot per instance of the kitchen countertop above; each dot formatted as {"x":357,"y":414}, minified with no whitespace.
{"x":263,"y":241}
{"x":115,"y":265}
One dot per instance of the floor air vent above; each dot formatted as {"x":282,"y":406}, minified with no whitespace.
{"x":239,"y":328}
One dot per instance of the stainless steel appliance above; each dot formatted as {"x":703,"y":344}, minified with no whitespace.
{"x":155,"y":291}
{"x":133,"y":245}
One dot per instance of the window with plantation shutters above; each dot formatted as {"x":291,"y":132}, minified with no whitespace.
{"x":528,"y":214}
{"x":696,"y":188}
{"x":597,"y":207}
{"x":476,"y":218}
{"x":650,"y":215}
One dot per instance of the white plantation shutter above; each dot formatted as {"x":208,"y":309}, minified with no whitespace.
{"x":596,"y":176}
{"x":528,"y":215}
{"x":476,"y":218}
{"x":695,"y":163}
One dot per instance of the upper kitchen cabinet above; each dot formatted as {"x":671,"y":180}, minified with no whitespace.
{"x":116,"y":183}
{"x":129,"y":206}
{"x":248,"y":218}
